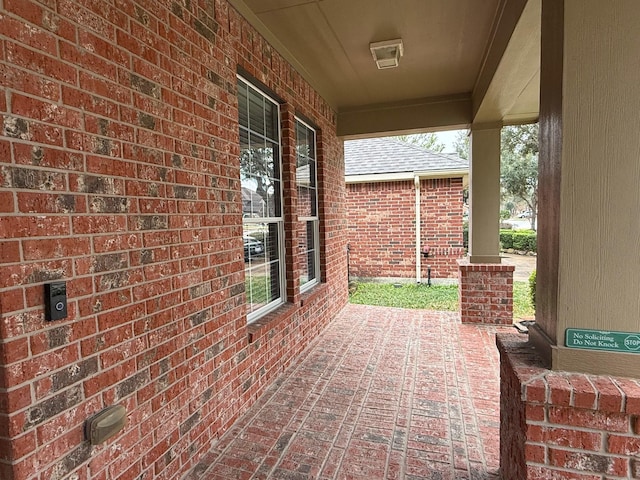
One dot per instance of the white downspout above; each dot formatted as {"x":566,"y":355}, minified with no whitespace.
{"x":416,"y":181}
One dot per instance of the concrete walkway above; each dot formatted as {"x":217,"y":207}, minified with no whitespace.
{"x":524,"y":264}
{"x":382,"y":393}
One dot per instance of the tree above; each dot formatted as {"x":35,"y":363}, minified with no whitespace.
{"x":461,"y":144}
{"x":428,"y":141}
{"x":519,"y":166}
{"x":257,"y":171}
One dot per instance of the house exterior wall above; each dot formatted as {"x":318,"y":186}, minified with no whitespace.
{"x":561,"y":424}
{"x":119,"y":173}
{"x":381,"y":218}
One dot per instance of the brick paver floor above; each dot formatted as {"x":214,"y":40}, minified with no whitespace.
{"x":382,"y":393}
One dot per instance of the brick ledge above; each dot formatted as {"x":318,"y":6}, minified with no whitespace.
{"x":464,"y":264}
{"x":566,"y":389}
{"x":263,"y":325}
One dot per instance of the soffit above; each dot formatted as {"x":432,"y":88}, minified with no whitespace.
{"x":446,"y":45}
{"x":514,"y":92}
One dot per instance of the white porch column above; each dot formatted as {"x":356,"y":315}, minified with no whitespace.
{"x":484,"y":189}
{"x":485,"y":286}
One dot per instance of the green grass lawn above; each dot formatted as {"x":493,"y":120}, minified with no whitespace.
{"x":522,"y":306}
{"x":437,"y":297}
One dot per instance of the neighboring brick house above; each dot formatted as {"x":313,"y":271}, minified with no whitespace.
{"x":124,"y":128}
{"x":385,"y":180}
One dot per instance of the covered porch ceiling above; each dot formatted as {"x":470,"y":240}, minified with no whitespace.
{"x":465,"y":61}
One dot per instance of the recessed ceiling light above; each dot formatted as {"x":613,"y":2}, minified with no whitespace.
{"x":387,"y":54}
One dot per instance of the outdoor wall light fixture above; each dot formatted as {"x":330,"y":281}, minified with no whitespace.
{"x":387,"y":54}
{"x":105,"y":424}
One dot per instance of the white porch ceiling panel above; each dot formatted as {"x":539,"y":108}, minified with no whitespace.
{"x":446,"y":47}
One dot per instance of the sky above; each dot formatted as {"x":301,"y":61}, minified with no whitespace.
{"x":448,"y":138}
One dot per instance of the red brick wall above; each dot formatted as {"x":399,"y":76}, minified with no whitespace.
{"x":119,"y":173}
{"x":441,"y":203}
{"x":564,"y":425}
{"x":381,"y":219}
{"x":486,"y":293}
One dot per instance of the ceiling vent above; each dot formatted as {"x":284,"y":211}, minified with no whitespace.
{"x":387,"y":54}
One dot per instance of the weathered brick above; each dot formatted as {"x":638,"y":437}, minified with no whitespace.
{"x":46,"y":409}
{"x":145,"y":86}
{"x":24,"y":178}
{"x":130,"y":385}
{"x":70,"y":462}
{"x":121,"y":177}
{"x":73,"y":374}
{"x":182,"y":191}
{"x":189,"y":423}
{"x":111,"y":261}
{"x":151,"y":222}
{"x":100,"y":185}
{"x":14,"y":127}
{"x":610,"y":398}
{"x":109,"y":204}
{"x":631,"y":391}
{"x":146,"y":120}
{"x":206,"y":28}
{"x":58,"y":336}
{"x":535,"y":453}
{"x":200,"y":317}
{"x":559,"y":390}
{"x":584,"y":393}
{"x":590,"y":439}
{"x":588,"y":462}
{"x":46,"y":112}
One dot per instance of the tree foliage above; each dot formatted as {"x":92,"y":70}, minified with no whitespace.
{"x":257,"y":173}
{"x":519,"y":166}
{"x":461,"y":144}
{"x":428,"y":141}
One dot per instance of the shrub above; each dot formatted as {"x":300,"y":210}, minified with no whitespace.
{"x":523,"y":240}
{"x":532,"y":288}
{"x":506,"y":239}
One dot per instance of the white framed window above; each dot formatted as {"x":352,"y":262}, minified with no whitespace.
{"x":307,"y":184}
{"x":262,"y":216}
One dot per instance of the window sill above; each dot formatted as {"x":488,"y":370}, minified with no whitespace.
{"x":314,"y":292}
{"x":261,"y":326}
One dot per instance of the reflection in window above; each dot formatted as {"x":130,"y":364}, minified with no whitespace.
{"x":260,"y":176}
{"x":306,"y":181}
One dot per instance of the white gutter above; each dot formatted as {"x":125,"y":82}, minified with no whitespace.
{"x":391,"y":177}
{"x":416,"y":182}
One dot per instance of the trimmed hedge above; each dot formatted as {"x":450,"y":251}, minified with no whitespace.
{"x":522,"y":240}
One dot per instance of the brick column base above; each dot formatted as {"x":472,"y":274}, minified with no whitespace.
{"x":564,"y":425}
{"x":486,"y":292}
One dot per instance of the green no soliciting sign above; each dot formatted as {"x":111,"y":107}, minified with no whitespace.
{"x":597,"y":340}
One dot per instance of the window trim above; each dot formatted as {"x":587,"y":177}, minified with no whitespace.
{"x":314,"y":219}
{"x":279,"y":220}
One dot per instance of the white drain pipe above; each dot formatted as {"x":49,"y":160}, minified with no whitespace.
{"x":416,"y":182}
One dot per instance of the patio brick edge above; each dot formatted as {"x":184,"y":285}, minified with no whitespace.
{"x":562,"y":424}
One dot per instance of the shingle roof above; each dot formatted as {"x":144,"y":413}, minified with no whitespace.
{"x":387,"y":155}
